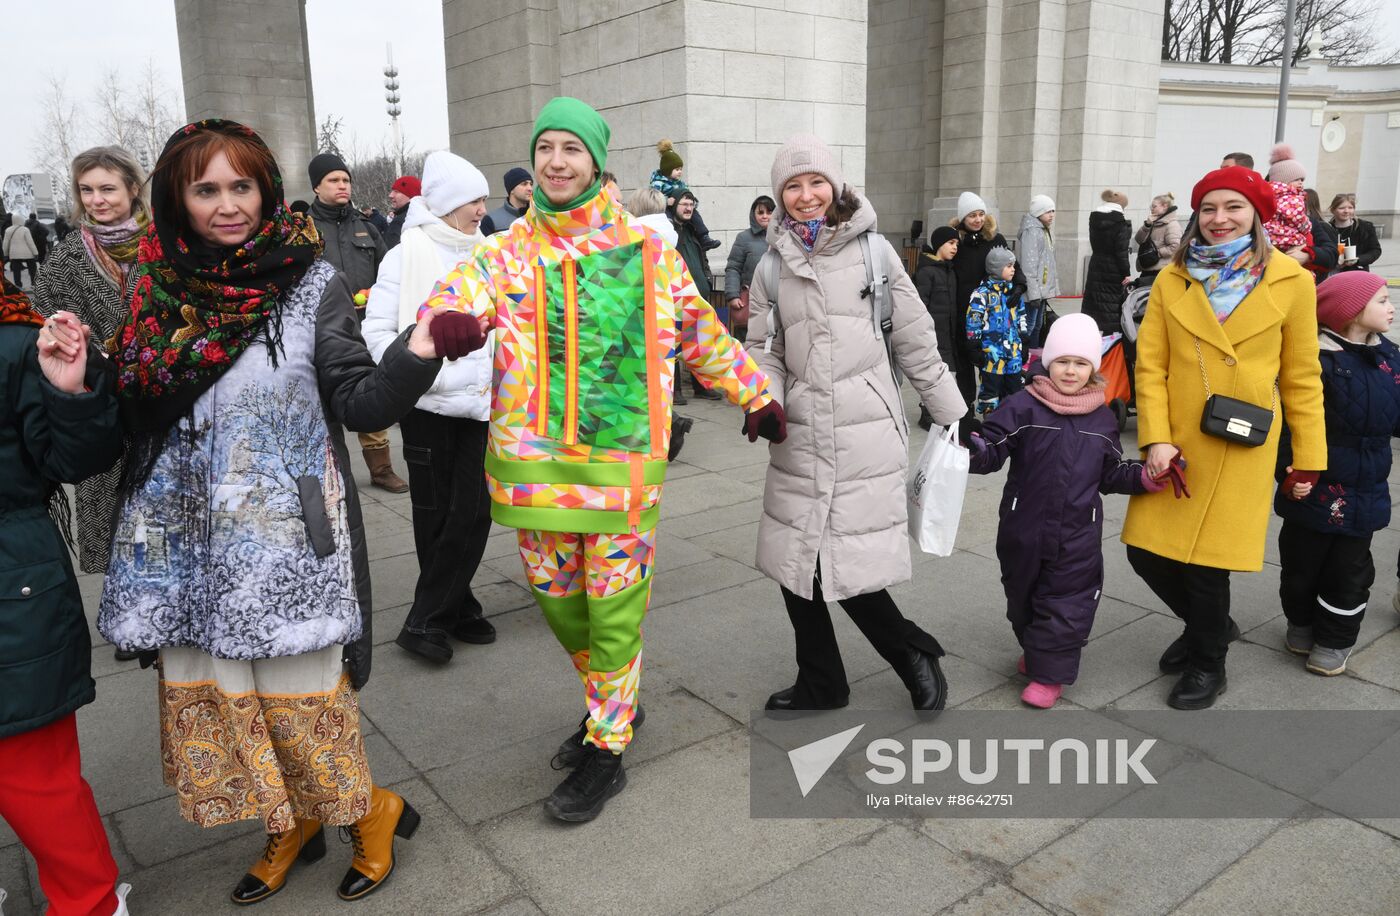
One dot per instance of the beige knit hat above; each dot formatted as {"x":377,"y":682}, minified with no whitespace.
{"x":801,"y":154}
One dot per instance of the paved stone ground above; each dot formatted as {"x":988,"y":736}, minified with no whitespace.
{"x":469,"y":745}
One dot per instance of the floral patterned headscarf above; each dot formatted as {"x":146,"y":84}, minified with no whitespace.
{"x":193,"y":314}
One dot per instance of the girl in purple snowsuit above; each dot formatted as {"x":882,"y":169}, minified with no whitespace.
{"x":1063,"y":444}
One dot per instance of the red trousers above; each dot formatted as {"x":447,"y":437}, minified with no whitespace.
{"x":49,"y":805}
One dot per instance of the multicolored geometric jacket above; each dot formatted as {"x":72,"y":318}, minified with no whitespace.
{"x":584,"y":306}
{"x":997,"y":320}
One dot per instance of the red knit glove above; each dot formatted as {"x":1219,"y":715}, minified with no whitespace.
{"x":1294,"y":478}
{"x":769,"y":421}
{"x":455,"y":334}
{"x":1175,"y":474}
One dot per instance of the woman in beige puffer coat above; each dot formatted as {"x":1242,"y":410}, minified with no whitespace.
{"x":834,"y":522}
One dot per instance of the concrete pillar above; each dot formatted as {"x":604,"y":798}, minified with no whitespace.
{"x":726,"y":82}
{"x":248,"y":61}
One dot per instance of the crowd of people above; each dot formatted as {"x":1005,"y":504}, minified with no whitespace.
{"x":195,"y":348}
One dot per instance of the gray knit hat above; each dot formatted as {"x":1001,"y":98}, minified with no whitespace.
{"x":801,"y":154}
{"x":997,"y":259}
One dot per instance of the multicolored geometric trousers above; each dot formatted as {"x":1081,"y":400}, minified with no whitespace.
{"x":594,"y":590}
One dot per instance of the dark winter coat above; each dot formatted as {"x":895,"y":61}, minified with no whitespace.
{"x":1109,"y":235}
{"x":499,"y":219}
{"x":937,"y":284}
{"x":688,"y":244}
{"x":1361,"y":398}
{"x":1324,"y":250}
{"x":1050,"y":537}
{"x":40,"y":234}
{"x":45,"y":436}
{"x":394,"y":232}
{"x":353,"y":246}
{"x":970,"y":267}
{"x":749,"y":247}
{"x":1362,"y":234}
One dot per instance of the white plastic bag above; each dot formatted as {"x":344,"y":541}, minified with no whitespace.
{"x":935,"y":490}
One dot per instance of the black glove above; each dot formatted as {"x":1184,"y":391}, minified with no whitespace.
{"x":455,"y":334}
{"x":968,"y":425}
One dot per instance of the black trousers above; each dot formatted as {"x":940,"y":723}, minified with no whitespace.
{"x":821,"y":677}
{"x":1199,"y":595}
{"x":17,"y":267}
{"x":1325,"y":582}
{"x":446,"y":459}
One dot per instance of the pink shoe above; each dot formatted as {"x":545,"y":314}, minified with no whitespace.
{"x":1041,"y":696}
{"x":1021,"y":662}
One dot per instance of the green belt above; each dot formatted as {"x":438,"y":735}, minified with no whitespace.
{"x":509,"y":471}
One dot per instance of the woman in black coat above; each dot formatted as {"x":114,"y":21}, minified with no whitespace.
{"x":977,"y":235}
{"x":1105,"y":284}
{"x":58,"y":422}
{"x":1354,"y":232}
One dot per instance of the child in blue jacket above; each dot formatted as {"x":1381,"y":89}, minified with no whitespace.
{"x":996,"y":319}
{"x":667,"y":179}
{"x":1325,"y":542}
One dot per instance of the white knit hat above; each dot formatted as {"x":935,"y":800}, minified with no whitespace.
{"x":801,"y":154}
{"x":969,"y":202}
{"x":1040,"y":205}
{"x":450,"y":181}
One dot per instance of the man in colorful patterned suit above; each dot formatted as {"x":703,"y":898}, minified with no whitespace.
{"x":588,"y":309}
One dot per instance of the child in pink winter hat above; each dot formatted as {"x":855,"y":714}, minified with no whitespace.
{"x":1290,"y":227}
{"x":1073,"y":335}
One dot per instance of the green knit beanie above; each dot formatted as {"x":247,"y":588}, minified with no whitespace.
{"x":579,"y":119}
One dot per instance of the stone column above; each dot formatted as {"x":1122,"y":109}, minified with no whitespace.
{"x":248,"y":62}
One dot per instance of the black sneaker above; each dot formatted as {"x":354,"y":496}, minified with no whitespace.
{"x":476,"y":630}
{"x":584,"y":792}
{"x":432,"y":647}
{"x":571,"y":752}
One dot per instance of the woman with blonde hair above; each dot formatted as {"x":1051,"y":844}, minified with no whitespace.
{"x":90,"y":273}
{"x":1227,"y":352}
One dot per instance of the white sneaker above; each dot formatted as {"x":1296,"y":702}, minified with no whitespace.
{"x":122,"y":891}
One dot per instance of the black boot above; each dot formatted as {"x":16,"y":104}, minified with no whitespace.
{"x":584,"y":792}
{"x":925,"y":418}
{"x":1197,"y":689}
{"x":705,"y":394}
{"x":786,"y":701}
{"x":928,"y":688}
{"x":572,"y":751}
{"x":476,"y":630}
{"x":1173,"y":661}
{"x":679,"y":427}
{"x":431,"y":647}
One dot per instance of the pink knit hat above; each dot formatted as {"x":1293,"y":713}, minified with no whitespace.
{"x":1073,"y":335}
{"x":1343,"y":296}
{"x":1283,"y":166}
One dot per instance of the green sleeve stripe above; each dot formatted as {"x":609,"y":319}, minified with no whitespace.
{"x":591,"y":474}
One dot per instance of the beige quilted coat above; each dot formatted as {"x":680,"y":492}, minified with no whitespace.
{"x":835,"y":487}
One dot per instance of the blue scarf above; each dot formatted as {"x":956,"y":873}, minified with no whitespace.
{"x":1226,"y":273}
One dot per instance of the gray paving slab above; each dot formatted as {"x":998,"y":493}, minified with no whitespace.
{"x":1123,"y":660}
{"x":14,"y":878}
{"x":498,"y":779}
{"x":1379,"y":662}
{"x":1359,"y":873}
{"x":995,"y":900}
{"x":154,"y":832}
{"x":708,"y":491}
{"x":916,"y":876}
{"x":683,"y":822}
{"x":120,"y":738}
{"x":739,"y":543}
{"x":1133,"y":866}
{"x":516,"y":906}
{"x":1006,"y":841}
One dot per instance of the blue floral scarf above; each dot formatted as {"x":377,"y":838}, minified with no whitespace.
{"x":805,"y":230}
{"x":1226,"y":273}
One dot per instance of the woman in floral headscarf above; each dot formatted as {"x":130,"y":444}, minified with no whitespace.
{"x":90,"y":273}
{"x":238,"y":552}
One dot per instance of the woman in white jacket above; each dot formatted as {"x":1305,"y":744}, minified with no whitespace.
{"x":444,"y":436}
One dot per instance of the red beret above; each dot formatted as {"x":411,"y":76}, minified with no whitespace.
{"x":1247,"y":182}
{"x":408,"y":186}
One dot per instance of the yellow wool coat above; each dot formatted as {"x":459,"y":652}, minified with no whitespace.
{"x":1272,"y":334}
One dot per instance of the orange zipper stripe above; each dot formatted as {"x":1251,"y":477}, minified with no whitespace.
{"x":656,"y":406}
{"x":571,"y":352}
{"x":541,"y":295}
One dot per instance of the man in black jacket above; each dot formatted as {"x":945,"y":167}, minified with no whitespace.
{"x":355,"y":248}
{"x":41,"y":236}
{"x":520,"y":187}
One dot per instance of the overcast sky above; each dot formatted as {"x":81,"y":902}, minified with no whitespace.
{"x":346,"y":38}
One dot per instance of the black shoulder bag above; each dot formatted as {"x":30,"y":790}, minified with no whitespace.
{"x":1231,"y":419}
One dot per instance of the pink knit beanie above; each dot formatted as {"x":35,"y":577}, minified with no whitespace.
{"x":1343,"y":296}
{"x":1073,"y":335}
{"x":1283,"y":167}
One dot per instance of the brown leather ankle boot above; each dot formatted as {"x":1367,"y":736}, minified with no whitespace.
{"x":373,"y":839}
{"x":306,"y":842}
{"x":381,"y":471}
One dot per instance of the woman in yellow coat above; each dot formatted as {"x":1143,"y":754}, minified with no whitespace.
{"x":1228,"y":317}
